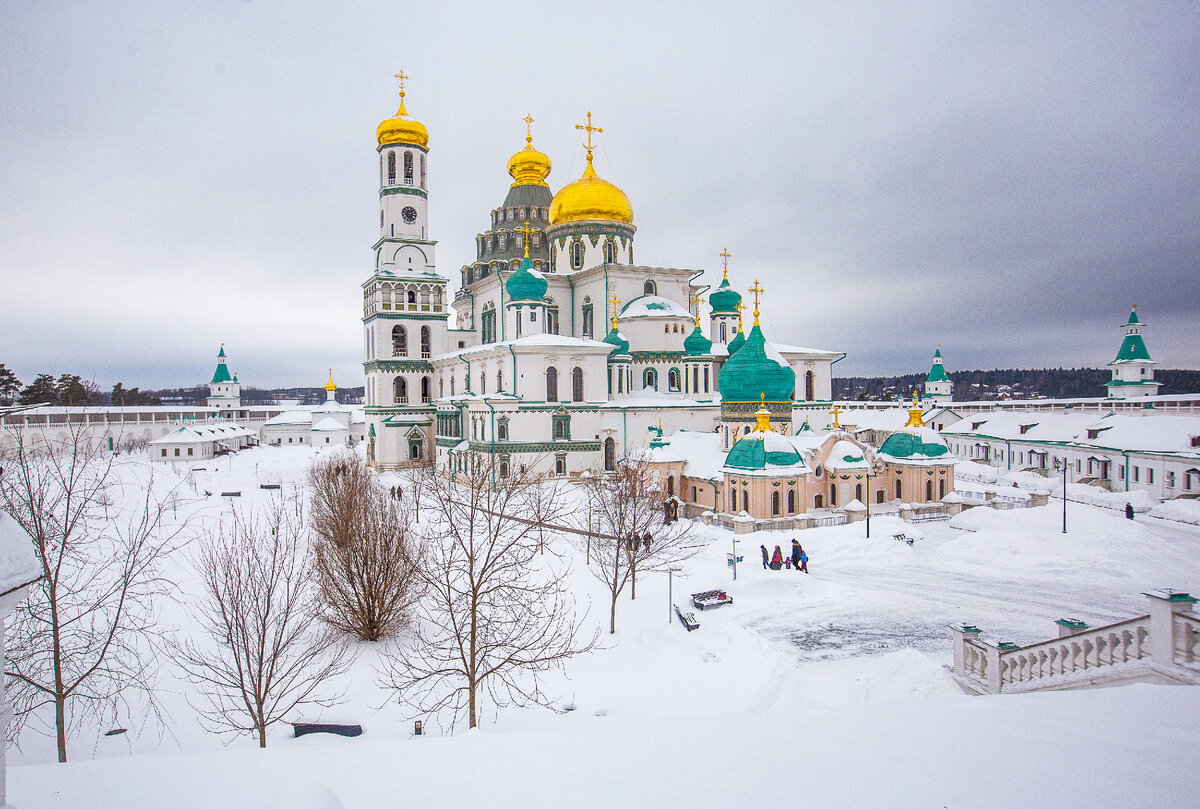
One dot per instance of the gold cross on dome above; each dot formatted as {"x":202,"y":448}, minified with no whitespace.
{"x":756,"y":290}
{"x":528,"y":119}
{"x":835,"y":411}
{"x":616,"y":303}
{"x":740,"y":307}
{"x":401,"y":77}
{"x":527,"y":231}
{"x":696,"y":299}
{"x":590,"y":129}
{"x":725,"y":254}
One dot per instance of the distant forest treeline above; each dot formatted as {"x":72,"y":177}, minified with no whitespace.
{"x":1043,"y":383}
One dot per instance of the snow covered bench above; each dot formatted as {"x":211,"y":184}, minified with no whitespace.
{"x":305,"y":728}
{"x":904,"y":538}
{"x":688,"y":619}
{"x":710,"y":598}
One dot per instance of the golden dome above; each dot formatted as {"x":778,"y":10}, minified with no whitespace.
{"x":529,"y":166}
{"x":329,"y":386}
{"x":590,"y":197}
{"x":400,"y":128}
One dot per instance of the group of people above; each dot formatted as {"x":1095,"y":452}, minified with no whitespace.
{"x":776,"y":561}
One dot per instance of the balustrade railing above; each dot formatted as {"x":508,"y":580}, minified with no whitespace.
{"x":1095,"y":648}
{"x":1187,"y":638}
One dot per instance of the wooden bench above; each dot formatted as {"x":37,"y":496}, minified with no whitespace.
{"x":305,"y":728}
{"x":688,"y":619}
{"x":710,"y":598}
{"x":904,"y":538}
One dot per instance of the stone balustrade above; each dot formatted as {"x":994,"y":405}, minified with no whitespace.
{"x":1162,"y":646}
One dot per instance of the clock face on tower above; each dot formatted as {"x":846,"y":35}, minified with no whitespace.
{"x":410,"y":214}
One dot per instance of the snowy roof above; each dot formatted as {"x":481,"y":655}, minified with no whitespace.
{"x":1023,"y":425}
{"x":331,"y":406}
{"x":532,"y":341}
{"x":328,"y":425}
{"x":652,"y":398}
{"x":198,"y":432}
{"x":18,"y":563}
{"x":702,"y":451}
{"x":893,"y":418}
{"x":1153,"y":433}
{"x":653,"y":306}
{"x":290,"y":417}
{"x":846,"y":455}
{"x":814,"y":352}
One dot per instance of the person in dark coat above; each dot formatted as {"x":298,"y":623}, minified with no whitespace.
{"x":766,"y":556}
{"x":777,"y":559}
{"x":796,"y":549}
{"x":1129,"y":511}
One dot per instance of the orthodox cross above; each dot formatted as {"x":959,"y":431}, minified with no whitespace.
{"x":835,"y":411}
{"x":725,"y":254}
{"x":740,"y":307}
{"x":696,"y":299}
{"x":616,"y":302}
{"x":756,"y":290}
{"x":590,"y":129}
{"x":528,"y":129}
{"x":401,"y":77}
{"x":527,"y":231}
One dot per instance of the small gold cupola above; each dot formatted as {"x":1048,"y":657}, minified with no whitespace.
{"x":401,"y":127}
{"x":529,"y":166}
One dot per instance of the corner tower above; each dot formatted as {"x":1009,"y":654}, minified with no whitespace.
{"x":405,"y":305}
{"x":938,"y":387}
{"x":224,"y":392}
{"x":1132,"y":370}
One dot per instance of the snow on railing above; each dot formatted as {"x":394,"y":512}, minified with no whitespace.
{"x":1167,"y":637}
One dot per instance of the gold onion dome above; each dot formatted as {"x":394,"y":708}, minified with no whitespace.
{"x":529,"y":166}
{"x":590,"y":197}
{"x":401,"y":128}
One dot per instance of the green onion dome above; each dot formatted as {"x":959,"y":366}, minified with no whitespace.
{"x":760,"y":450}
{"x":696,"y":343}
{"x":526,"y":284}
{"x":737,"y":342}
{"x":757,"y":372}
{"x":725,"y":300}
{"x":617,"y":339}
{"x":914,"y":443}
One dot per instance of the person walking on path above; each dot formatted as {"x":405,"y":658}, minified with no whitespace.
{"x":766,"y":556}
{"x":803,"y":560}
{"x":777,"y":559}
{"x":796,"y":550}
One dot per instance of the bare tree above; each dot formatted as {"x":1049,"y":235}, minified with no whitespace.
{"x":270,"y":654}
{"x":365,"y":562}
{"x":84,"y":640}
{"x":497,"y":615}
{"x":627,"y":532}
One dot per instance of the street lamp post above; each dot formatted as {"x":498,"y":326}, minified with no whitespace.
{"x":868,"y":503}
{"x":671,"y":571}
{"x":735,"y":543}
{"x":1065,"y":465}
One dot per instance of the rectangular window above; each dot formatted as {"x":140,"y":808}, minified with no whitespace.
{"x":164,"y":452}
{"x":176,"y":452}
{"x":1136,"y":474}
{"x":189,"y":450}
{"x":1170,"y":480}
{"x":1149,"y":475}
{"x":1121,"y":470}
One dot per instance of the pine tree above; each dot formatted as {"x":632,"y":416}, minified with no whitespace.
{"x":41,"y":390}
{"x":9,"y":385}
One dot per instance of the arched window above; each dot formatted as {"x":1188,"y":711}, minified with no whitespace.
{"x":411,"y":297}
{"x":502,"y":429}
{"x":610,"y":252}
{"x":818,"y":502}
{"x":724,"y":337}
{"x":577,"y":255}
{"x":858,"y":492}
{"x":587,"y":316}
{"x":791,"y":501}
{"x":577,"y":384}
{"x":391,"y":164}
{"x":451,"y":385}
{"x":499,"y":380}
{"x":441,"y":386}
{"x":832,"y":495}
{"x":745,"y":501}
{"x":408,"y":168}
{"x":399,"y":341}
{"x":673,"y":379}
{"x":400,"y":390}
{"x":425,"y":342}
{"x":650,"y":379}
{"x":810,"y":386}
{"x":553,"y":259}
{"x":941,"y":489}
{"x":551,"y":384}
{"x":774,"y":504}
{"x":649,"y":288}
{"x":610,"y":455}
{"x":560,"y":461}
{"x":560,"y":428}
{"x":928,"y":490}
{"x":898,"y":490}
{"x":422,"y":170}
{"x":670,"y":485}
{"x":414,"y":450}
{"x":504,"y":469}
{"x":879,"y":495}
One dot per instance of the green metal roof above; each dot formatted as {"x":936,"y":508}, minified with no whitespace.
{"x":751,"y":453}
{"x":524,"y":285}
{"x":1132,"y":348}
{"x":1133,"y":318}
{"x":222,"y":372}
{"x":614,"y":338}
{"x":906,"y":445}
{"x":696,"y":343}
{"x":736,"y":343}
{"x":750,"y":375}
{"x":725,"y":300}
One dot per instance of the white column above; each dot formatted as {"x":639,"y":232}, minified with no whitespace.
{"x":1165,"y":604}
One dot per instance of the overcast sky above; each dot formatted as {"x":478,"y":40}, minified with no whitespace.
{"x":1004,"y":179}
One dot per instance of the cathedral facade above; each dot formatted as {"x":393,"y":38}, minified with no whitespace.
{"x":557,"y":353}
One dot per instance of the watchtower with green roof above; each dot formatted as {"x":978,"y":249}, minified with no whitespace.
{"x":726,"y":303}
{"x":1132,"y":370}
{"x":938,"y":386}
{"x":224,"y":392}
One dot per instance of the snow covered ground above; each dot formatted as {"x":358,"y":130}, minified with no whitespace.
{"x":828,"y":689}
